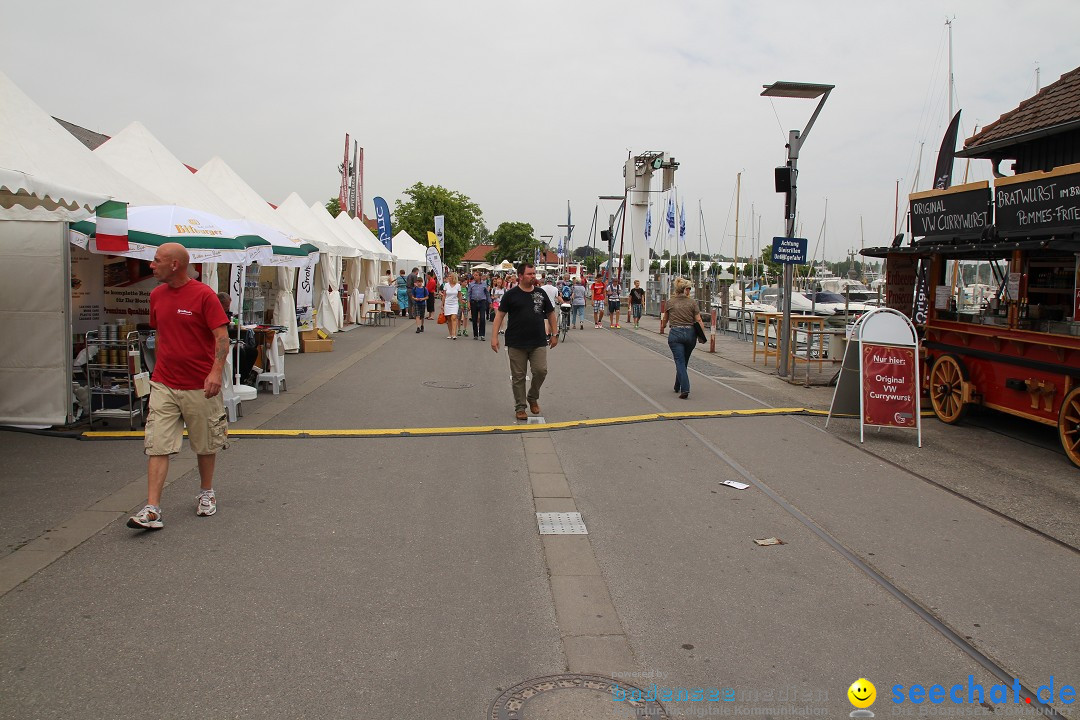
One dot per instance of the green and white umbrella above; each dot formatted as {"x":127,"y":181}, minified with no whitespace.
{"x":207,"y":237}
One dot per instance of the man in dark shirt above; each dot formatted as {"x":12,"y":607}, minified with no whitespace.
{"x":637,"y":302}
{"x":532,"y":330}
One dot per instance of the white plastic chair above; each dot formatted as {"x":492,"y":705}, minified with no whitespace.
{"x":228,"y":391}
{"x":275,"y":375}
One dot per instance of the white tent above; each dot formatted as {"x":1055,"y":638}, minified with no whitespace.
{"x":230,"y":187}
{"x":47,"y":178}
{"x":409,"y":253}
{"x":334,"y":297}
{"x":363,"y":274}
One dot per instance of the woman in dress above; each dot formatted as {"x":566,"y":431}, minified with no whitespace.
{"x":497,"y":293}
{"x":451,"y":292}
{"x":681,"y":313}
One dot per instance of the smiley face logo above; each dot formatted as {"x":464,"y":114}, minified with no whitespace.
{"x":862,"y":693}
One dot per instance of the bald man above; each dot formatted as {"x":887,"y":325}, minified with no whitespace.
{"x":192,"y":344}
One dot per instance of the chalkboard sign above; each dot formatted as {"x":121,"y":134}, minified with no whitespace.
{"x":1038,"y":203}
{"x":949,"y":213}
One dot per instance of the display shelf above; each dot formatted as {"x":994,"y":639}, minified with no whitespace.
{"x":113,"y":379}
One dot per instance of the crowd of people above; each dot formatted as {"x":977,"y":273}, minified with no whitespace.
{"x":470,"y":300}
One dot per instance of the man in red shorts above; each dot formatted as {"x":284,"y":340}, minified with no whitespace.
{"x":192,"y":343}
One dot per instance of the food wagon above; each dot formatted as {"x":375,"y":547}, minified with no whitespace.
{"x":1017,"y":350}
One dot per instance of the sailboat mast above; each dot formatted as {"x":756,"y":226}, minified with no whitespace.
{"x":948,"y":24}
{"x":738,"y":196}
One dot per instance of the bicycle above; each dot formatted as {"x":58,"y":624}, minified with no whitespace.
{"x":564,"y":321}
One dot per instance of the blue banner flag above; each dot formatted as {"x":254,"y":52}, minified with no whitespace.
{"x":682,"y":224}
{"x":382,"y":217}
{"x":648,"y":224}
{"x":671,"y":216}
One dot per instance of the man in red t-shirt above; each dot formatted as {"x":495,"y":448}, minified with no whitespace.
{"x":598,"y":289}
{"x":192,"y":343}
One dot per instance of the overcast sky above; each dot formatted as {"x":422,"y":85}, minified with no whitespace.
{"x":526,"y":106}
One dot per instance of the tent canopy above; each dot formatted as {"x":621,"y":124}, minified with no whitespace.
{"x":300,"y":216}
{"x":45,"y":173}
{"x":408,"y":250}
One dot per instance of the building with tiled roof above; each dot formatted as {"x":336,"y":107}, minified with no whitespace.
{"x":477,"y":254}
{"x":1042,"y":133}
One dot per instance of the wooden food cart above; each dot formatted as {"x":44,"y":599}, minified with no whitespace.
{"x":1016,"y":347}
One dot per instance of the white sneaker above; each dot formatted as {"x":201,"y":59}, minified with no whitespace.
{"x":206,"y":503}
{"x":149,"y":518}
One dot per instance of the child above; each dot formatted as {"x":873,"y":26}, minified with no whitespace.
{"x":419,"y":298}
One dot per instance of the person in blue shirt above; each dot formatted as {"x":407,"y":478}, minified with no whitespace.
{"x":419,"y":297}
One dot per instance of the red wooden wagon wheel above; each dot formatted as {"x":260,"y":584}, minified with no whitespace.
{"x":947,"y":378}
{"x":1069,"y":425}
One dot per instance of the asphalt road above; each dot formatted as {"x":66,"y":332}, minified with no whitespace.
{"x":404,"y":577}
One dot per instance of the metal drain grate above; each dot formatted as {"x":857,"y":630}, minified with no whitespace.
{"x":535,"y":420}
{"x":561,"y":523}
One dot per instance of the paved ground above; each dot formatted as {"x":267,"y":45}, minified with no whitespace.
{"x":404,"y":577}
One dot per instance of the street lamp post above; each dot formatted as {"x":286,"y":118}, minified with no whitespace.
{"x":795,"y":142}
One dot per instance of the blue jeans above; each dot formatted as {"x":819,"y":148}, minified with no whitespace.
{"x":681,"y":341}
{"x":577,"y":315}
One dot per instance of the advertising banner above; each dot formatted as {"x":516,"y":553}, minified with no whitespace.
{"x":304,"y":284}
{"x":382,"y":217}
{"x":236,"y":285}
{"x":888,"y":385}
{"x":440,"y":231}
{"x":435,"y":263}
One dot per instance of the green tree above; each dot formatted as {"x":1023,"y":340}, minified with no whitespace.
{"x":774,"y":268}
{"x":483,"y":236}
{"x":333,"y":206}
{"x":585,"y":251}
{"x":514,"y":241}
{"x":416,"y":215}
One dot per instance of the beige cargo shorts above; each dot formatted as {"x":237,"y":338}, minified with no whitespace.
{"x":170,"y":410}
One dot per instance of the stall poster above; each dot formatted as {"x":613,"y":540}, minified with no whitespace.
{"x":941,"y":297}
{"x":1012,"y":288}
{"x":128,"y":282}
{"x":900,"y":278}
{"x":888,"y":385}
{"x":87,"y":290}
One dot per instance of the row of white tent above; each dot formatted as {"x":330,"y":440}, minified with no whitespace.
{"x":49,"y":179}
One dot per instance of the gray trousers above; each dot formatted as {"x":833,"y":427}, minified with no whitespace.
{"x":520,"y":360}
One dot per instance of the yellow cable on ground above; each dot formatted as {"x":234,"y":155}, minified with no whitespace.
{"x":484,"y":429}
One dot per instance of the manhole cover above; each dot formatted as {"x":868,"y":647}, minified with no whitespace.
{"x":569,"y":696}
{"x":445,"y":385}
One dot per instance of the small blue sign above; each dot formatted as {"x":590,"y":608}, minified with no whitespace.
{"x":789,"y":251}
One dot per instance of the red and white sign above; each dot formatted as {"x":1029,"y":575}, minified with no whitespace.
{"x":890,"y":395}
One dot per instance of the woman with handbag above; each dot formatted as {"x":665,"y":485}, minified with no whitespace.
{"x":687,"y":330}
{"x":451,"y":302}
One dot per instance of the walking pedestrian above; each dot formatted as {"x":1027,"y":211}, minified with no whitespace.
{"x":681,"y":313}
{"x":419,"y":298}
{"x":192,"y":344}
{"x":451,"y":291}
{"x":410,"y":281}
{"x":637,"y":302}
{"x":479,"y":299}
{"x":577,"y":304}
{"x":431,"y":285}
{"x":496,"y":297}
{"x":614,"y":301}
{"x":531,"y":331}
{"x":598,"y":301}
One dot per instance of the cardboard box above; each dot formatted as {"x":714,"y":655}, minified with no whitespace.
{"x":312,"y":334}
{"x":314,"y":346}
